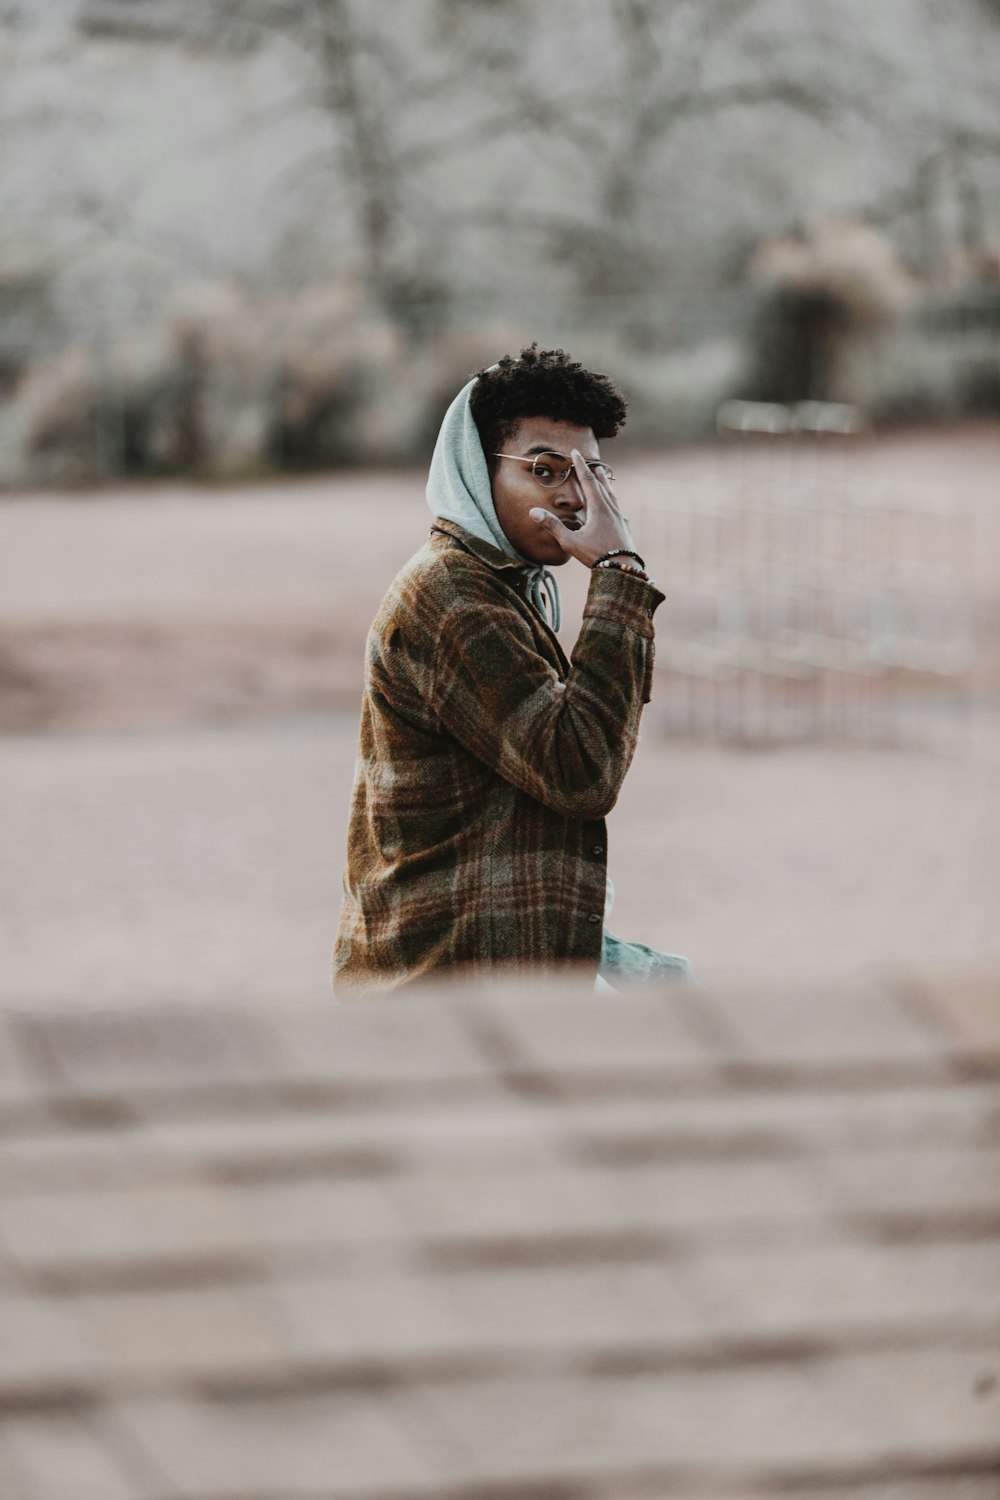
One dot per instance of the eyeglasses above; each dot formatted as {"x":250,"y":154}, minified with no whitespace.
{"x":551,"y":469}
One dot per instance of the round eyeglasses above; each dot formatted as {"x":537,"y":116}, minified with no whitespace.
{"x":551,"y":469}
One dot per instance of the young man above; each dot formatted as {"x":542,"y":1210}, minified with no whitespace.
{"x":488,"y":761}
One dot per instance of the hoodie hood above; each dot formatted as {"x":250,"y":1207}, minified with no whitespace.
{"x":458,"y":489}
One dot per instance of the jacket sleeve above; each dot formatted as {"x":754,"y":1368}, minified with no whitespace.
{"x":567,"y":744}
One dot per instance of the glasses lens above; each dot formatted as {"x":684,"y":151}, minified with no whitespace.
{"x":550,"y":469}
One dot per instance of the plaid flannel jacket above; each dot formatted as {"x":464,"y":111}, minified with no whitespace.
{"x":486,"y":765}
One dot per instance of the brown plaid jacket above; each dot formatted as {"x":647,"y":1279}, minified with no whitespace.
{"x":486,"y":766}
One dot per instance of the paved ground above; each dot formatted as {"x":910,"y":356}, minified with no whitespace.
{"x":204,"y":865}
{"x":166,"y":606}
{"x":179,"y":675}
{"x":715,"y":1243}
{"x":526,"y":1246}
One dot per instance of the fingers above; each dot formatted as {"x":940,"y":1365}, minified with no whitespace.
{"x":603,"y":527}
{"x":600,"y":500}
{"x":583,"y":466}
{"x":552,"y":523}
{"x":591,"y":483}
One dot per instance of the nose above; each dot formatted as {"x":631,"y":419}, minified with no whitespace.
{"x":571,"y":496}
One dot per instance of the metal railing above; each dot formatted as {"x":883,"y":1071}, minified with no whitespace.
{"x":802,"y":601}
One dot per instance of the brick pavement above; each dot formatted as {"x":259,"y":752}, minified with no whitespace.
{"x":516,"y":1243}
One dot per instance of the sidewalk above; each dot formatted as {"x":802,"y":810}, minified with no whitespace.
{"x":521,"y":1243}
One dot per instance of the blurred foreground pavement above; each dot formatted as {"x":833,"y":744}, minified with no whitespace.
{"x":520,"y":1243}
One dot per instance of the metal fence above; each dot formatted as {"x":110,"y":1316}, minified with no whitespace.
{"x":802,"y":601}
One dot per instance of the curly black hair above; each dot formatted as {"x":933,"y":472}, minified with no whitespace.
{"x":542,"y":383}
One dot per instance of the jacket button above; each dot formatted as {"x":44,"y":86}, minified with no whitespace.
{"x":594,"y":916}
{"x":597,"y":849}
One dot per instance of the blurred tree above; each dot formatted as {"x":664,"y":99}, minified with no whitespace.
{"x":607,"y":169}
{"x":397,"y":109}
{"x":442,"y":126}
{"x":667,"y":68}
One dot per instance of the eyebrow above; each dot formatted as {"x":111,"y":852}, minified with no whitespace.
{"x":544,"y":448}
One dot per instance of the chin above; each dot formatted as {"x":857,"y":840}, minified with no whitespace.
{"x":547,"y":553}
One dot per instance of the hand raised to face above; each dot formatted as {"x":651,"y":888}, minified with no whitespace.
{"x":604,"y":528}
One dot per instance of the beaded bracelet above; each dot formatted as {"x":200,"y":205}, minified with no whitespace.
{"x":620,"y":552}
{"x":620,"y":567}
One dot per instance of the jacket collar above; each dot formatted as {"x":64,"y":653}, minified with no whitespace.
{"x":485,"y":551}
{"x":532,"y":581}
